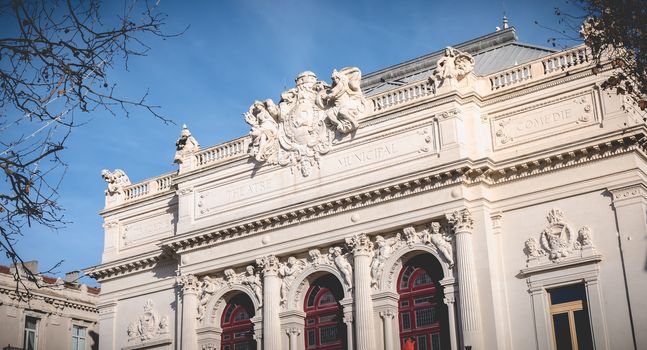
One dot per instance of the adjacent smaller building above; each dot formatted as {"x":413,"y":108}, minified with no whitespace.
{"x":59,"y":314}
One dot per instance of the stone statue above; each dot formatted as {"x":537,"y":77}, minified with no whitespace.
{"x":253,"y":280}
{"x":148,"y":326}
{"x":116,"y":180}
{"x":263,"y":117}
{"x":453,"y":66}
{"x":185,"y":145}
{"x":343,"y":265}
{"x":532,"y":248}
{"x":347,"y":103}
{"x":207,"y":289}
{"x":285,"y":271}
{"x":383,"y":252}
{"x":436,"y":237}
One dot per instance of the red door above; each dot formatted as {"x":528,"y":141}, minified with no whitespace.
{"x":237,"y":329}
{"x":419,"y":311}
{"x":324,"y":328}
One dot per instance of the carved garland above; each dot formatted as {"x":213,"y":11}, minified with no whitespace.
{"x":148,"y":326}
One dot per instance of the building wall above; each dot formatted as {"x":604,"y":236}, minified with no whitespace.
{"x":547,"y":153}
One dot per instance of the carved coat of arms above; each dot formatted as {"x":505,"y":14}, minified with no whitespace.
{"x":301,"y":128}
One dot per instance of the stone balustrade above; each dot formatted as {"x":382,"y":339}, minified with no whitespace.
{"x":149,"y":187}
{"x":510,"y":77}
{"x":401,"y":95}
{"x":224,"y":151}
{"x":563,"y":60}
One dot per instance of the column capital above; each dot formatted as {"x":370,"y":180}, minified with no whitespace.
{"x":189,"y":283}
{"x":293,"y":331}
{"x":360,"y":244}
{"x":348,"y":318}
{"x":268,"y":264}
{"x":387,"y":314}
{"x":461,"y":221}
{"x":449,"y":299}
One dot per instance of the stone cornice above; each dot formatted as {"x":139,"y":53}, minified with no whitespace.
{"x":464,"y":172}
{"x":628,"y":192}
{"x":56,"y":302}
{"x":127,"y":266}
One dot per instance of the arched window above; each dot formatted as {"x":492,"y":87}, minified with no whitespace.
{"x":422,"y":315}
{"x":324,"y":328}
{"x":237,"y":328}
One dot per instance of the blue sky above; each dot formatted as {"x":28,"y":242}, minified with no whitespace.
{"x":233,"y":53}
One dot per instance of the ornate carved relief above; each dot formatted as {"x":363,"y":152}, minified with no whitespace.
{"x":343,"y":265}
{"x":434,"y":234}
{"x":148,"y":326}
{"x":116,"y":180}
{"x":301,"y":128}
{"x":461,"y":221}
{"x":557,"y":241}
{"x":287,"y":272}
{"x":452,"y":67}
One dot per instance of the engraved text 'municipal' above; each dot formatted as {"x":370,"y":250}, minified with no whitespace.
{"x":375,"y":154}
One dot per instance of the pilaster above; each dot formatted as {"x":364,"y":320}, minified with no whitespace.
{"x":630,"y":205}
{"x":107,"y":318}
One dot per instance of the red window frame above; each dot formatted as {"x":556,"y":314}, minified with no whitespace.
{"x":426,"y":298}
{"x":330,"y":312}
{"x":232,"y":327}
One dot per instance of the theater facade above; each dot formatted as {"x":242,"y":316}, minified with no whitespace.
{"x":489,"y":195}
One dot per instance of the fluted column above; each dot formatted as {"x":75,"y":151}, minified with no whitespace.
{"x":362,"y":248}
{"x":293,"y":333}
{"x":190,"y":286}
{"x":463,"y":226}
{"x":269,"y":265}
{"x":387,"y":317}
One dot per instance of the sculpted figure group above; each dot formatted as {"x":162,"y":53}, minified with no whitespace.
{"x":301,"y":127}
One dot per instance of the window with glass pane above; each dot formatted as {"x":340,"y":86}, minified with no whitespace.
{"x":570,"y":318}
{"x":31,"y":333}
{"x":78,"y":337}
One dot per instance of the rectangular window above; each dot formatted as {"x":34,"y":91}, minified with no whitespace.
{"x":328,"y":334}
{"x":570,"y":318}
{"x":312,"y":338}
{"x":406,"y":321}
{"x":425,"y":317}
{"x":30,"y":340}
{"x":78,"y":337}
{"x":435,"y":341}
{"x":422,"y":342}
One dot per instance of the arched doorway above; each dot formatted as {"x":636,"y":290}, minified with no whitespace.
{"x":324,"y":327}
{"x":422,"y":314}
{"x":237,"y":328}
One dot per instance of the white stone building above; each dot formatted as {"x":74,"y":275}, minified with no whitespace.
{"x":486,"y":196}
{"x":46,"y":312}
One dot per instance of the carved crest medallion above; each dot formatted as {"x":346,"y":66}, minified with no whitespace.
{"x":301,"y":128}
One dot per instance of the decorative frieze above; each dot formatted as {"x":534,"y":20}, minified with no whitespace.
{"x":148,"y":326}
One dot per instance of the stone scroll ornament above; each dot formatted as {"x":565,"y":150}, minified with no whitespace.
{"x":557,"y":241}
{"x":148,"y":326}
{"x":301,"y":127}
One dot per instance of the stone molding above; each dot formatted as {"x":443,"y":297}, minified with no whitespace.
{"x":629,"y":192}
{"x":461,"y":221}
{"x":473,"y":174}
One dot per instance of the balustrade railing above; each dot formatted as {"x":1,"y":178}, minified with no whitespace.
{"x":566,"y":59}
{"x":510,"y":77}
{"x":401,"y":95}
{"x":223,"y":151}
{"x":148,"y":187}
